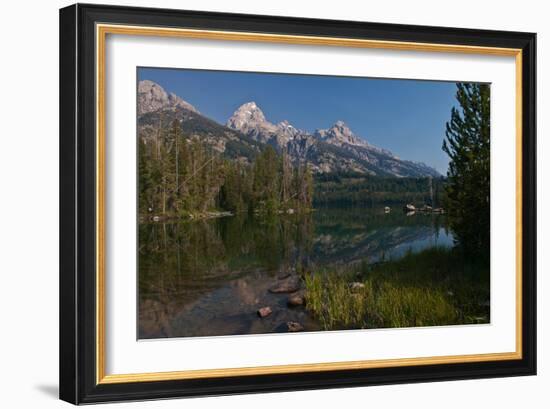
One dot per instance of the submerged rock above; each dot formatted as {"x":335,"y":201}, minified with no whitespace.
{"x":283,"y":275}
{"x":294,"y":326}
{"x":264,"y":312}
{"x":289,"y":285}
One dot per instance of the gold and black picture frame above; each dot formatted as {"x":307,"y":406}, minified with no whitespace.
{"x":224,"y":244}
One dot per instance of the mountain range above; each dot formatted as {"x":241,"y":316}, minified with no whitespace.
{"x":248,"y":131}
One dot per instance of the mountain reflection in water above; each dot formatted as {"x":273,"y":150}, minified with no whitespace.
{"x":210,"y":277}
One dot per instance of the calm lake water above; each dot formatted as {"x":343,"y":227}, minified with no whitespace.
{"x":210,"y":277}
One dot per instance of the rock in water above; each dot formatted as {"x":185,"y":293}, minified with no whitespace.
{"x":294,"y":326}
{"x":290,"y":285}
{"x":296,"y":300}
{"x":283,"y":275}
{"x":264,"y":312}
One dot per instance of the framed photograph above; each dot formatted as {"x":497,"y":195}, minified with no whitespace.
{"x":257,"y":203}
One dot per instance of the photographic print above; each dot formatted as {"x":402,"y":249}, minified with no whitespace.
{"x":256,"y":204}
{"x":276,"y":203}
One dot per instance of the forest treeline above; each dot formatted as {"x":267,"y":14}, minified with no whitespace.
{"x":179,"y":176}
{"x":355,"y":189}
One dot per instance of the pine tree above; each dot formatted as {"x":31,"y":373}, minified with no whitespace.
{"x":175,"y":130}
{"x":266,"y":180}
{"x":286,"y":177}
{"x":308,"y":188}
{"x":146,"y":185}
{"x":232,"y":191}
{"x":467,"y":191}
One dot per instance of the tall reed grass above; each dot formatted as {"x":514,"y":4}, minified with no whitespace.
{"x":433,"y":287}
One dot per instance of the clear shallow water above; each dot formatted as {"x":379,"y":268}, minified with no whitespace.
{"x":210,"y":277}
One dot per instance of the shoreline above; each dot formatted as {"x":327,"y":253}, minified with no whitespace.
{"x":208,"y":215}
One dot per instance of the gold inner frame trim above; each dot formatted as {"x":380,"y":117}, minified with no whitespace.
{"x":102,"y":30}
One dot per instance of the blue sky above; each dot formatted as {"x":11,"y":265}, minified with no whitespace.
{"x":405,"y":116}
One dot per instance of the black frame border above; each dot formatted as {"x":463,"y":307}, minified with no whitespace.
{"x":78,"y":197}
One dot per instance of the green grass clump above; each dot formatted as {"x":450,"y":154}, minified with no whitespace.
{"x":331,"y":298}
{"x":395,"y":306}
{"x":433,"y":287}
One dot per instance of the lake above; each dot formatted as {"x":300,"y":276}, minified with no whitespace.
{"x":210,"y":277}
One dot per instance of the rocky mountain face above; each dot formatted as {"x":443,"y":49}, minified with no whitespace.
{"x":327,"y":150}
{"x":339,"y":134}
{"x":250,"y":120}
{"x":157,"y":111}
{"x":151,"y":97}
{"x":248,"y":131}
